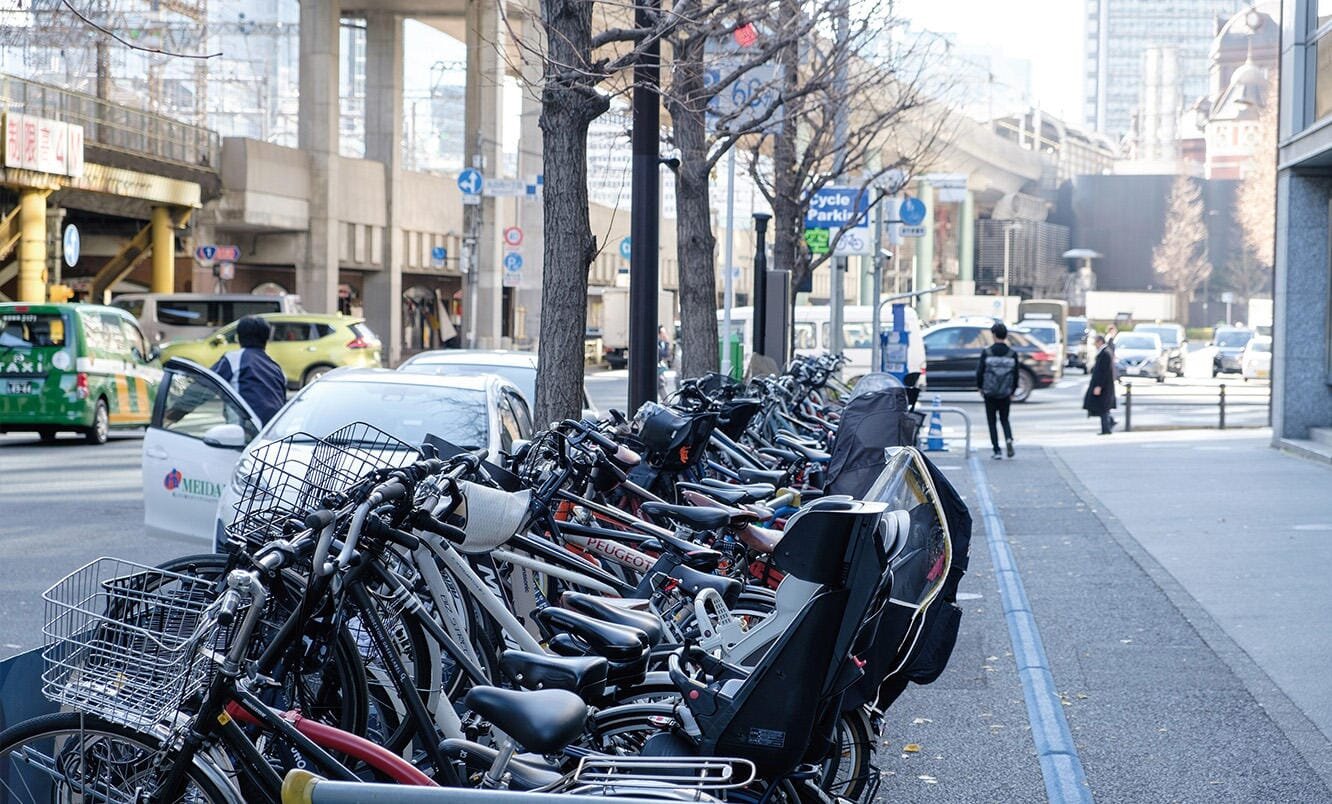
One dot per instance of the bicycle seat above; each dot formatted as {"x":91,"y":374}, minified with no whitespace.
{"x":611,"y":612}
{"x":809,"y":453}
{"x":783,"y":455}
{"x":692,"y":582}
{"x":693,"y":516}
{"x":538,"y":671}
{"x":735,"y":517}
{"x":541,"y":721}
{"x":763,"y":540}
{"x":616,"y":642}
{"x":695,"y":555}
{"x":729,"y":493}
{"x":770,"y":476}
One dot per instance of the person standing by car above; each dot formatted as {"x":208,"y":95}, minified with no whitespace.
{"x":255,"y":376}
{"x":997,"y":378}
{"x":1100,"y":397}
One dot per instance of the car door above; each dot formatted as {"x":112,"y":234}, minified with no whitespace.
{"x":941,"y":348}
{"x":198,"y":429}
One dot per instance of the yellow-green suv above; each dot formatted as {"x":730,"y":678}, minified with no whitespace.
{"x":305,"y":345}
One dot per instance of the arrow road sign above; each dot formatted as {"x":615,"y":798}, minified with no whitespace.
{"x":912,"y":211}
{"x":470,"y":181}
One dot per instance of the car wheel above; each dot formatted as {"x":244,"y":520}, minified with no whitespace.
{"x":47,"y":435}
{"x":1026,"y":382}
{"x":101,"y":426}
{"x":313,"y":373}
{"x":1161,"y":378}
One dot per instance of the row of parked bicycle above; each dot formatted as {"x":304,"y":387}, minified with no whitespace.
{"x":717,"y":599}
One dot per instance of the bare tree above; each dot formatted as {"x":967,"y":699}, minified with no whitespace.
{"x":1180,"y":259}
{"x":1255,"y":205}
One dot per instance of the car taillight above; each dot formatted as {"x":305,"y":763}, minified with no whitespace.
{"x":81,"y":385}
{"x":1041,"y":356}
{"x":358,"y":343}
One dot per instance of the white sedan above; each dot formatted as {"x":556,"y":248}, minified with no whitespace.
{"x":1256,"y":359}
{"x":202,"y":431}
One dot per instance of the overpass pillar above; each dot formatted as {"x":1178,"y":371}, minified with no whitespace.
{"x":32,"y":246}
{"x":164,"y":251}
{"x":383,"y":143}
{"x":317,"y":273}
{"x":481,"y":149}
{"x":966,"y":260}
{"x":924,"y":277}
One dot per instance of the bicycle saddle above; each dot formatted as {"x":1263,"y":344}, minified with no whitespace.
{"x":616,"y":642}
{"x":538,"y":671}
{"x":735,"y":517}
{"x":729,"y":493}
{"x":770,"y":476}
{"x":541,"y":721}
{"x":783,"y":455}
{"x":763,"y":540}
{"x":695,"y":555}
{"x":608,"y":611}
{"x":692,"y":582}
{"x":809,"y":453}
{"x":693,"y":516}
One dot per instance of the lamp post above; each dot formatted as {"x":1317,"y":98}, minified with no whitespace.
{"x":1009,"y":228}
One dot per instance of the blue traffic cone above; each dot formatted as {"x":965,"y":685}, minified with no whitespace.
{"x":935,"y":442}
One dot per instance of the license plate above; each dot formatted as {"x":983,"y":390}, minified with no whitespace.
{"x":23,"y":387}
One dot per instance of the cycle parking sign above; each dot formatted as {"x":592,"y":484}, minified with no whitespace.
{"x":844,"y":213}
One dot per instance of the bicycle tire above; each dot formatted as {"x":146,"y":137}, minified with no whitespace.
{"x":124,"y":756}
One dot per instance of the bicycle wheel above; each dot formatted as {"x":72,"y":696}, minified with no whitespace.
{"x":848,"y":770}
{"x":75,"y":757}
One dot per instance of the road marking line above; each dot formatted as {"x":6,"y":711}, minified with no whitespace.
{"x":1065,"y":780}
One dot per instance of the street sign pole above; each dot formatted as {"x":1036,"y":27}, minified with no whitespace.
{"x":644,"y":216}
{"x":876,"y":354}
{"x":730,"y":264}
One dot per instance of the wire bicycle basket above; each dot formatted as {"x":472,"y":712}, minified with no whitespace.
{"x":122,"y":640}
{"x":281,"y":482}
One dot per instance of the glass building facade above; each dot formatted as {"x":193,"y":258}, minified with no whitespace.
{"x":1118,"y":33}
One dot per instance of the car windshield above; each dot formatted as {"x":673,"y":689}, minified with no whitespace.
{"x":1132,"y":341}
{"x":1043,"y":333}
{"x":26,"y":330}
{"x":1234,"y":337}
{"x":521,"y":376}
{"x":1168,"y":335}
{"x":1076,"y":329}
{"x":405,"y":411}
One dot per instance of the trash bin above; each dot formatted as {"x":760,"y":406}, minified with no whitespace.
{"x":737,"y":353}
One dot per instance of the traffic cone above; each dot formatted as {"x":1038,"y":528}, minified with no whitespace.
{"x":935,"y":442}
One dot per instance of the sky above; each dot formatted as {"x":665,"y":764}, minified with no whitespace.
{"x":1048,"y":32}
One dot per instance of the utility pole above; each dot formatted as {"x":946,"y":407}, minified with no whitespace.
{"x":760,"y":291}
{"x":645,"y":214}
{"x":837,"y":290}
{"x":880,"y":263}
{"x":729,"y":282}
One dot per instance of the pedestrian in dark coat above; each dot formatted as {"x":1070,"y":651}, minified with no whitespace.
{"x":1100,"y":397}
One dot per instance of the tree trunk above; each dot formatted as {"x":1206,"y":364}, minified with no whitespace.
{"x":787,"y":221}
{"x":568,"y":104}
{"x":695,"y":244}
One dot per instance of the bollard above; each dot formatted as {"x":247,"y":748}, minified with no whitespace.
{"x":1223,"y":406}
{"x":1128,"y":407}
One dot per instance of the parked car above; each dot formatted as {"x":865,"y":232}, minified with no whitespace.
{"x":1140,"y":354}
{"x":202,"y":433}
{"x":952,"y":352}
{"x":80,"y":367}
{"x":305,"y":345}
{"x":1173,"y":340}
{"x":186,"y":316}
{"x":1229,"y":343}
{"x":519,"y":368}
{"x":1256,"y":359}
{"x":1076,"y":333}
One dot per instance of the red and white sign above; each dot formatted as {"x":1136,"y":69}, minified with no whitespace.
{"x":46,"y":146}
{"x":513,"y":237}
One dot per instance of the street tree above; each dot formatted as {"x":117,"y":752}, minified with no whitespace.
{"x":1181,"y":259}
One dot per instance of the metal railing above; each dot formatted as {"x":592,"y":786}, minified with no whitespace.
{"x":111,"y":125}
{"x":1202,"y":400}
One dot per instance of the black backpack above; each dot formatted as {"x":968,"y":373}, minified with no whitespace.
{"x":1000,"y":377}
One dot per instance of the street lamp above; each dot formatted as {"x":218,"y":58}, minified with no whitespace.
{"x":1009,"y":228}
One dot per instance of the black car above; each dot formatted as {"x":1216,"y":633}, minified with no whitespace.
{"x":952,"y":352}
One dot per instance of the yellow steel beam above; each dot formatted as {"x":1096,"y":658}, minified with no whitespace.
{"x":9,"y":232}
{"x":119,"y":266}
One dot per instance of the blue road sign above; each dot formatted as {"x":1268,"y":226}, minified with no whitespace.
{"x":837,"y":208}
{"x":912,"y":211}
{"x":513,"y":261}
{"x":470,"y":181}
{"x":626,"y":248}
{"x":71,"y":245}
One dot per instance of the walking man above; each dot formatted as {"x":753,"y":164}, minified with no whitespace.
{"x":997,"y":377}
{"x":255,"y":376}
{"x":1100,"y":397}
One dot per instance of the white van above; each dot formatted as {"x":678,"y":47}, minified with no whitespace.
{"x":189,"y":316}
{"x":812,"y":331}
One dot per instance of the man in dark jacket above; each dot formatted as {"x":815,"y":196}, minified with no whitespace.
{"x":997,"y":378}
{"x":255,"y":376}
{"x":1100,"y":397}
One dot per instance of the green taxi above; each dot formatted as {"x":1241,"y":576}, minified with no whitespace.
{"x":305,"y":345}
{"x":80,"y":367}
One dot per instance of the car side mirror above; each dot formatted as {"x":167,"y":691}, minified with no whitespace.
{"x":225,"y":436}
{"x":217,"y":340}
{"x":154,"y":354}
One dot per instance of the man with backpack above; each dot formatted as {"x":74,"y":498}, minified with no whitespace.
{"x":997,"y":378}
{"x":255,"y":376}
